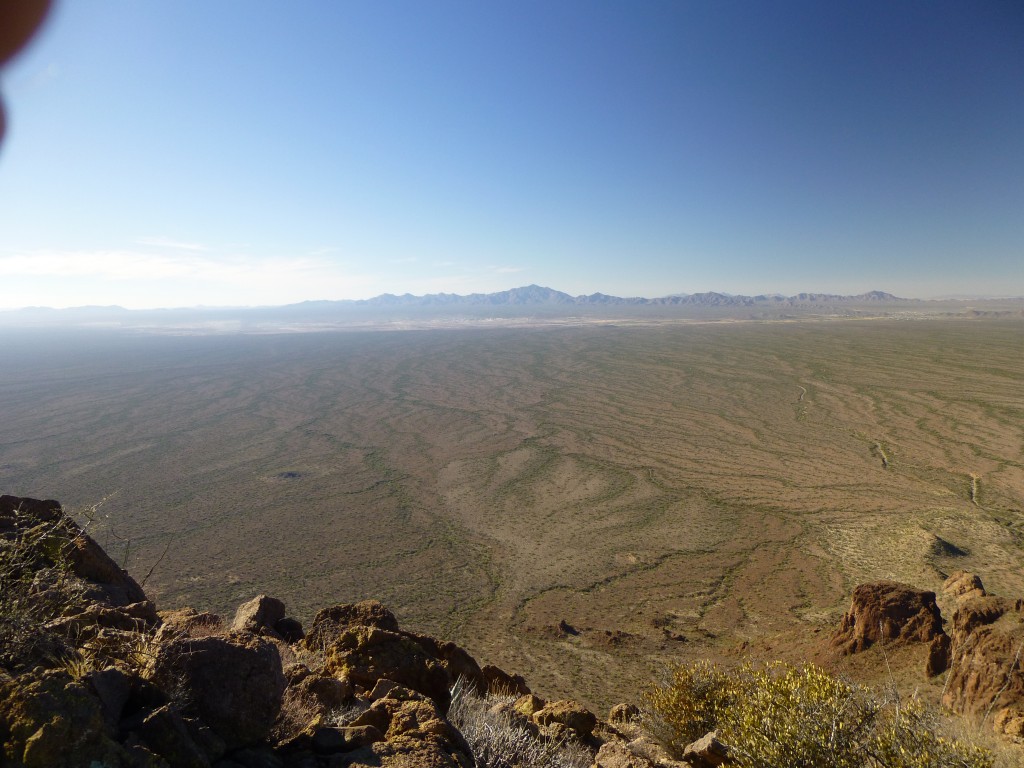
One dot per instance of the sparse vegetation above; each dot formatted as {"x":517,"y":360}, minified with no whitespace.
{"x":36,"y":587}
{"x":519,"y":477}
{"x":803,"y":717}
{"x":498,"y":740}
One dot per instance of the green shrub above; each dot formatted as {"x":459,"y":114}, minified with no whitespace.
{"x":801,"y":717}
{"x":691,"y":704}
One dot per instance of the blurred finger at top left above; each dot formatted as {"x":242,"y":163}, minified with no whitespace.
{"x":19,"y":20}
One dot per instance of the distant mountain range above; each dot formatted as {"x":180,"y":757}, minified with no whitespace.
{"x":536,"y":295}
{"x":529,"y":304}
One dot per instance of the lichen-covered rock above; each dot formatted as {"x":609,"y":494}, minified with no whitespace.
{"x":365,"y":654}
{"x":330,"y":623}
{"x":571,"y":714}
{"x":414,"y":728}
{"x":1009,"y":721}
{"x":309,"y":697}
{"x":407,"y":753}
{"x":54,"y":721}
{"x":528,"y":704}
{"x":233,"y":683}
{"x":623,"y":713}
{"x":888,"y":611}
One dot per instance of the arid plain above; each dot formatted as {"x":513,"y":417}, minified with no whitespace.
{"x":579,"y":504}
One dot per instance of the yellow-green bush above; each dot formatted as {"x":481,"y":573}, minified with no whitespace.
{"x":801,"y":717}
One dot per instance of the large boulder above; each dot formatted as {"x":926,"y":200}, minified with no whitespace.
{"x":366,"y":654}
{"x":706,"y":752}
{"x":887,"y":611}
{"x":501,"y":682}
{"x":54,"y":721}
{"x":456,"y":661}
{"x":331,"y":622}
{"x":571,"y":714}
{"x":232,"y":683}
{"x":259,"y":615}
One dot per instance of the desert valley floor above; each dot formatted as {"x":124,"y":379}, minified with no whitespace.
{"x":576,"y":504}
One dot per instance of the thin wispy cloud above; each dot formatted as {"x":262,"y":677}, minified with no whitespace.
{"x":105,"y":264}
{"x":177,"y":277}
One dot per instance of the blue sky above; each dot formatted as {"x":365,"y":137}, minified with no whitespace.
{"x":234,"y":153}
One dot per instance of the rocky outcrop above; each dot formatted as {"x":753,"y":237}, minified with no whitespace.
{"x":185,"y":688}
{"x":985,"y":675}
{"x":887,"y":611}
{"x":366,"y":654}
{"x":983,"y":652}
{"x":329,"y":623}
{"x":961,"y":585}
{"x":499,"y":681}
{"x":103,"y":580}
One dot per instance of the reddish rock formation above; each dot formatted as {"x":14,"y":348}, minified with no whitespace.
{"x":961,"y":585}
{"x":888,"y":611}
{"x":985,"y":675}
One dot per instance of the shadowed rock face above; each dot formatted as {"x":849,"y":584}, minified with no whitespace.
{"x":233,"y":683}
{"x":107,"y":582}
{"x":887,"y":611}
